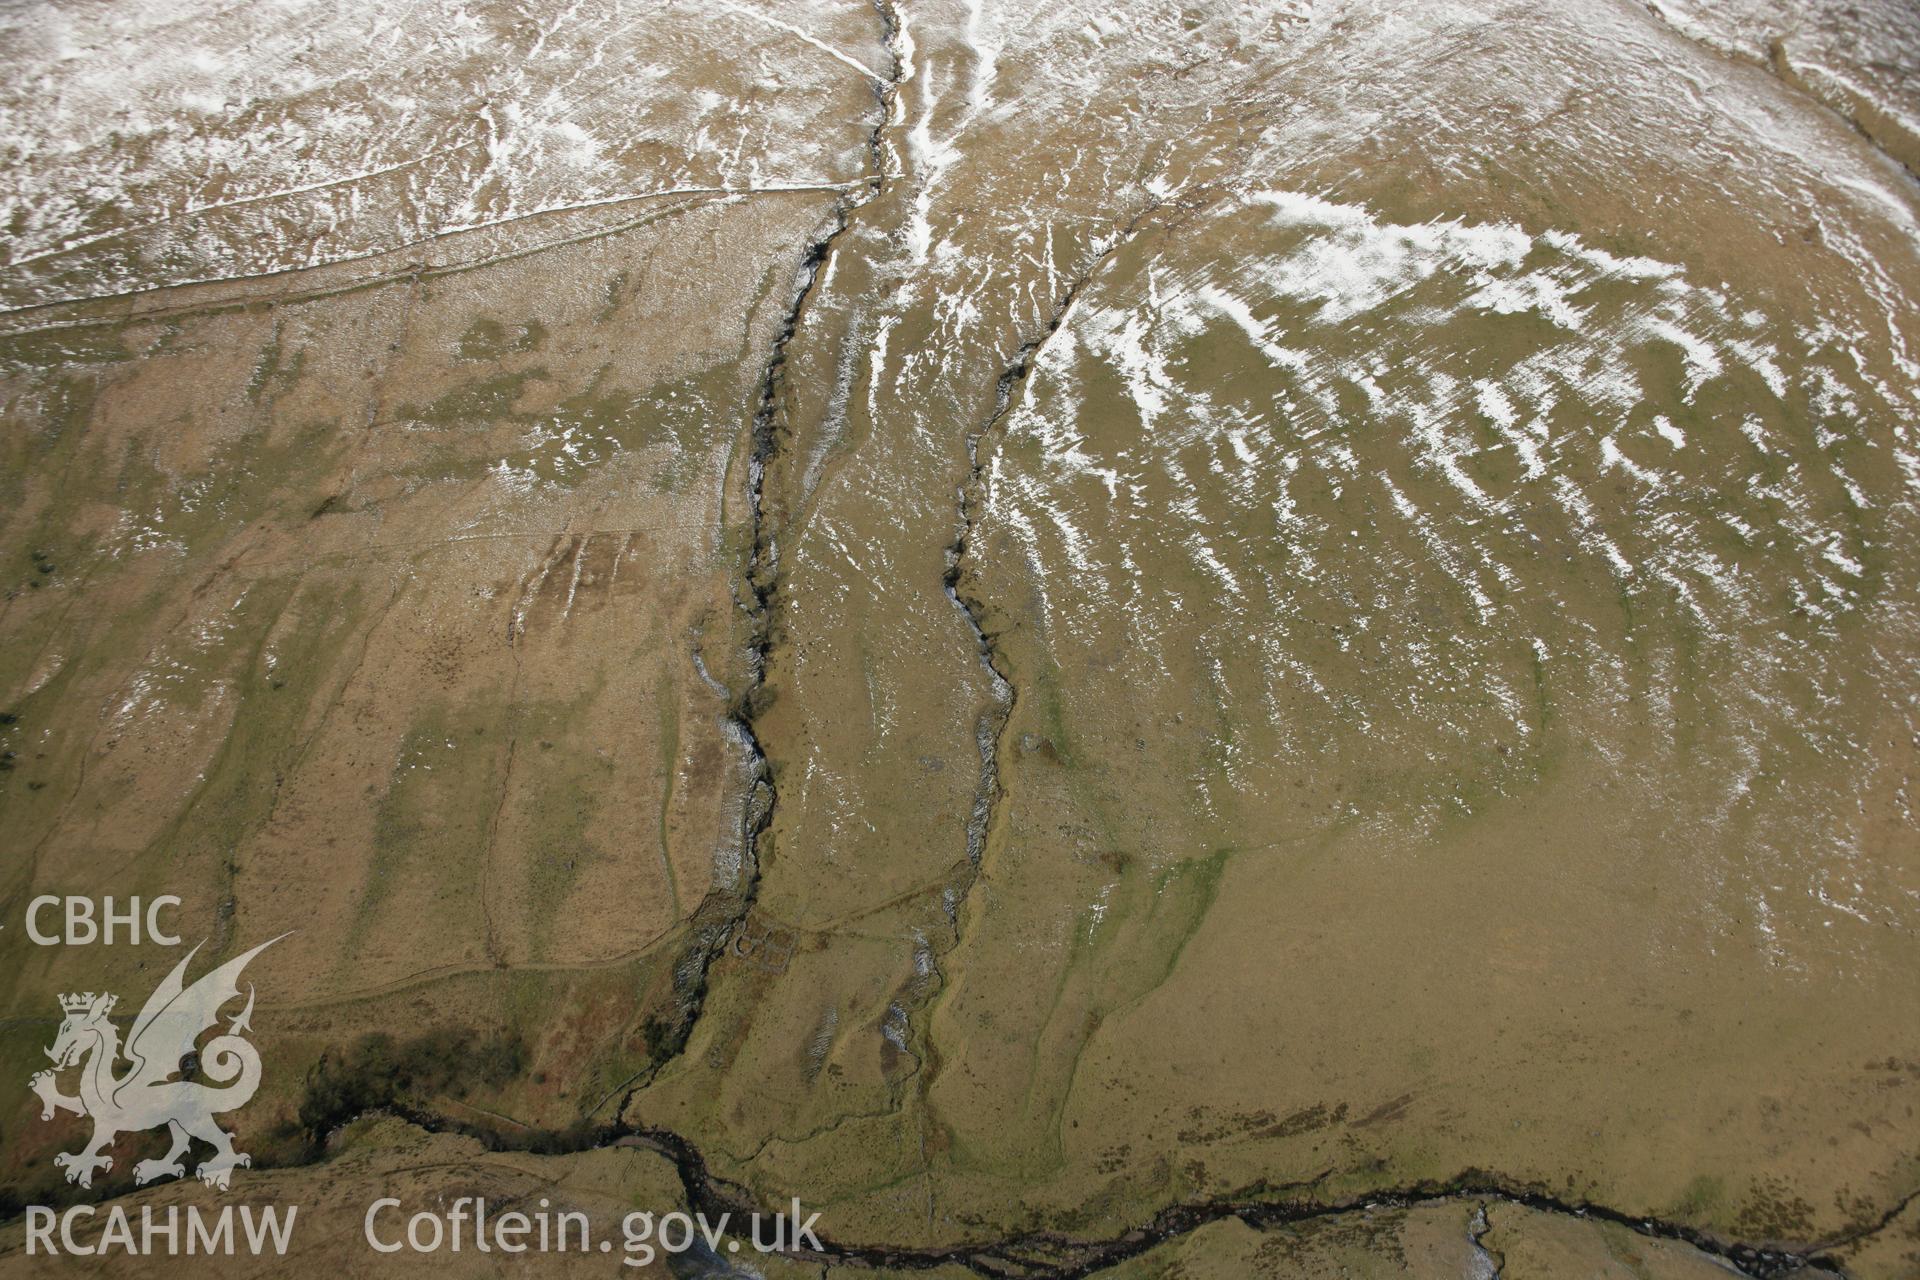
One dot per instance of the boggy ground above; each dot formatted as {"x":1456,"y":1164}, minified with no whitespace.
{"x":1243,"y":640}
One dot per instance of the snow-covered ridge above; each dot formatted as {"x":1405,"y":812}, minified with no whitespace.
{"x":150,"y":144}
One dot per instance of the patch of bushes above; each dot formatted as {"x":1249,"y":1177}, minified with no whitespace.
{"x":379,"y":1072}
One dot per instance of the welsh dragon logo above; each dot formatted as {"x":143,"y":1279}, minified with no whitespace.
{"x":148,"y":1094}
